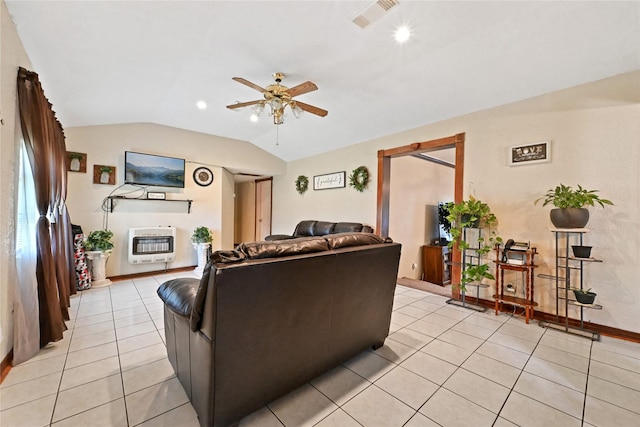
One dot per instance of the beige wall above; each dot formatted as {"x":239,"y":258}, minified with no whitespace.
{"x":594,"y":129}
{"x":415,"y":184}
{"x":12,"y":56}
{"x":213,"y":206}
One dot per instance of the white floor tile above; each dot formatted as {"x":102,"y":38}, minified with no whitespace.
{"x":445,"y":357}
{"x":450,"y":410}
{"x":446,"y":351}
{"x":429,"y":367}
{"x":557,"y":373}
{"x":89,"y":372}
{"x":374,"y":407}
{"x":91,"y":354}
{"x":30,"y":371}
{"x":479,"y":390}
{"x":29,"y":391}
{"x":615,"y":394}
{"x":260,"y":418}
{"x":503,"y":354}
{"x":551,"y":394}
{"x":411,"y":338}
{"x":369,"y":365}
{"x":602,"y":414}
{"x":182,"y":416}
{"x":338,"y":418}
{"x":524,"y":411}
{"x":303,"y":406}
{"x":408,"y":387}
{"x":492,"y":369}
{"x":87,"y":396}
{"x":615,"y":375}
{"x":340,"y":384}
{"x":155,"y":400}
{"x":147,"y":375}
{"x":36,"y":413}
{"x":110,"y":414}
{"x":139,"y":341}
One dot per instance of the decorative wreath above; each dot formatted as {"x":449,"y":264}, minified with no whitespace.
{"x":359,"y":178}
{"x":302,"y":184}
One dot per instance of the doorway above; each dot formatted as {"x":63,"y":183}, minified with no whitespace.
{"x":384,"y":180}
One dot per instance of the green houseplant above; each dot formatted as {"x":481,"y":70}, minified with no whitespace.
{"x":98,"y":246}
{"x":201,"y":235}
{"x":202,"y":239}
{"x":472,"y":213}
{"x":99,"y":240}
{"x":569,"y":203}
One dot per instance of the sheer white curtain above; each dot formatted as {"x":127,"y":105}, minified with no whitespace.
{"x":26,"y":318}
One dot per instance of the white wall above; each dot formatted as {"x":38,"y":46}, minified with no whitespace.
{"x":213,"y":206}
{"x":12,"y":56}
{"x":594,"y":129}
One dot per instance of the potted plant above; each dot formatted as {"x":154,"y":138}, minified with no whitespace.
{"x":570,"y":211}
{"x":201,"y":239}
{"x":472,"y":213}
{"x":98,"y":246}
{"x":584,"y":297}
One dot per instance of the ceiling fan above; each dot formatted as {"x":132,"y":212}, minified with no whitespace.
{"x":277,"y":97}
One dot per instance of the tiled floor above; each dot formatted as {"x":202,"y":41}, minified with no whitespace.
{"x":442,"y":365}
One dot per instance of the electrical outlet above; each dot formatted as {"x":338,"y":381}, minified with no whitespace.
{"x":510,"y":288}
{"x":414,"y":266}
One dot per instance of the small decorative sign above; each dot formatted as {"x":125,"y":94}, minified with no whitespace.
{"x":76,"y":162}
{"x":330,"y":180}
{"x":103,"y":174}
{"x":538,"y":152}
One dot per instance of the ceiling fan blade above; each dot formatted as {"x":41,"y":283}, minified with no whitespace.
{"x":244,"y":104}
{"x":302,"y":88}
{"x":311,"y":109}
{"x":248,"y":83}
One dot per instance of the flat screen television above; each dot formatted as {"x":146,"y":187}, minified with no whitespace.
{"x":151,"y":169}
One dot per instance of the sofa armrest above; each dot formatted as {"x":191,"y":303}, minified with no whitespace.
{"x":179,"y":295}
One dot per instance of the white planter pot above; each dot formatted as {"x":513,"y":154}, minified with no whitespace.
{"x":202,"y":256}
{"x":99,"y":268}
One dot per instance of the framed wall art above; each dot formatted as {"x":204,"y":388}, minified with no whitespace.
{"x":103,"y":174}
{"x":76,"y":162}
{"x":537,"y":152}
{"x":329,"y":180}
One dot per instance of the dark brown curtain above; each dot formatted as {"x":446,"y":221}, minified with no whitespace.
{"x":44,"y":140}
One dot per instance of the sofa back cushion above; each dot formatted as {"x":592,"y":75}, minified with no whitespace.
{"x":304,"y":228}
{"x":346,"y":227}
{"x":281,"y":248}
{"x":344,"y":240}
{"x":323,"y":227}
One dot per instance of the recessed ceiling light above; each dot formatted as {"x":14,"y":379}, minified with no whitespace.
{"x":254,"y":117}
{"x":402,"y":34}
{"x":201,"y":105}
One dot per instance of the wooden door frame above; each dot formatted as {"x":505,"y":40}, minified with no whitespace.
{"x":384,"y":185}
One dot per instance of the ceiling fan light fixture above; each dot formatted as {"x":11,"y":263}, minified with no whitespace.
{"x":297,"y":111}
{"x":254,"y":117}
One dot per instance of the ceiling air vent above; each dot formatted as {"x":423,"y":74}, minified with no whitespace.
{"x":374,"y":12}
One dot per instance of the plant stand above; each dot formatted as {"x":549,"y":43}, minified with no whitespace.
{"x":99,"y":268}
{"x":569,"y":274}
{"x":202,"y":249}
{"x":470,"y":257}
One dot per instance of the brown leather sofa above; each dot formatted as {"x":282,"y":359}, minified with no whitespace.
{"x":270,"y":316}
{"x":308,"y":228}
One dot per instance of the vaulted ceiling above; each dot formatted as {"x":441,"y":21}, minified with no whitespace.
{"x":104,"y":62}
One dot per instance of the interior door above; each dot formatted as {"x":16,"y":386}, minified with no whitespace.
{"x":263,"y":208}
